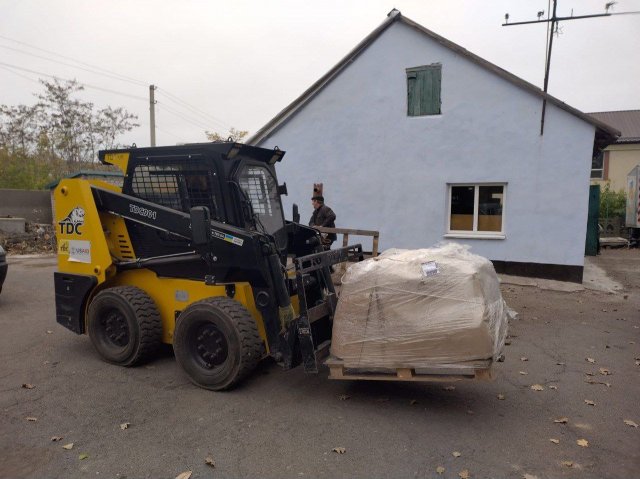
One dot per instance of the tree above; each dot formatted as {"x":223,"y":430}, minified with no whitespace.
{"x":233,"y":135}
{"x":42,"y":142}
{"x":60,"y":125}
{"x":18,"y":128}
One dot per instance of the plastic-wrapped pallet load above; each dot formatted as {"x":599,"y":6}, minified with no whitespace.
{"x":437,"y":307}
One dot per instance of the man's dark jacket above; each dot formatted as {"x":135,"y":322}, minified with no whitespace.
{"x":324,"y":216}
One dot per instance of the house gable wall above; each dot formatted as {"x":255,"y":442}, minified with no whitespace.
{"x":384,"y":170}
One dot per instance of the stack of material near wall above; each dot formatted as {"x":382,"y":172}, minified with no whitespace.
{"x":420,"y":308}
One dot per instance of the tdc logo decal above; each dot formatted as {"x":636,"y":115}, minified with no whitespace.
{"x":72,"y":223}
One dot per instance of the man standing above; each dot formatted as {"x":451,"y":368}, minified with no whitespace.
{"x":323,"y":216}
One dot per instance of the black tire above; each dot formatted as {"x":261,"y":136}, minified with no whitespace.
{"x":216,"y":342}
{"x":124,"y":325}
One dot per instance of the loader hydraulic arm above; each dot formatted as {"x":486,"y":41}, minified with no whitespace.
{"x":162,"y":218}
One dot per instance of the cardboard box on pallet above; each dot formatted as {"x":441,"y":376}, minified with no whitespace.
{"x":437,"y":307}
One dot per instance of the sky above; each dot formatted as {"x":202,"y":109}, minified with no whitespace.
{"x":221,"y":64}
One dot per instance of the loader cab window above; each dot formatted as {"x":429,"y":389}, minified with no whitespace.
{"x":260,"y":187}
{"x":180,"y":186}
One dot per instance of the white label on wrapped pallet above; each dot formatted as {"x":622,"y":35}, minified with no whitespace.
{"x":430,"y":268}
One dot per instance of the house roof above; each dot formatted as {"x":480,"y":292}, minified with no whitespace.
{"x":607,"y":133}
{"x":627,"y":121}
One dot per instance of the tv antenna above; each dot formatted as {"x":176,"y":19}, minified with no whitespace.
{"x":554,"y":20}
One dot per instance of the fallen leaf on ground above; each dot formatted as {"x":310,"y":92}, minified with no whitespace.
{"x":553,"y":387}
{"x":529,"y":476}
{"x":413,"y":402}
{"x":83,"y":456}
{"x":524,"y":358}
{"x":56,"y":438}
{"x":125,"y":425}
{"x":500,"y":397}
{"x":604,"y":371}
{"x":464,"y":474}
{"x":184,"y":475}
{"x":591,"y":360}
{"x":524,"y":373}
{"x":593,"y":381}
{"x":567,"y":463}
{"x":31,"y":419}
{"x":439,"y":469}
{"x":209,"y":461}
{"x":449,"y":388}
{"x":339,"y":450}
{"x":590,"y":373}
{"x":559,"y":364}
{"x":561,"y":420}
{"x":344,"y":397}
{"x":68,"y":447}
{"x":629,"y":422}
{"x":555,"y":441}
{"x":589,"y":402}
{"x":456,"y":454}
{"x":537,"y":387}
{"x":28,"y":386}
{"x":582,"y":443}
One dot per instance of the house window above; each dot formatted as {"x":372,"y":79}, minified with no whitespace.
{"x":476,"y":209}
{"x":423,"y":90}
{"x":597,"y":166}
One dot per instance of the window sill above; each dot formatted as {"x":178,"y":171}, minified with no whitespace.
{"x":497,"y":236}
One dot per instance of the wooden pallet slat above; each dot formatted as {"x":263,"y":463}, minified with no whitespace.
{"x":479,"y":370}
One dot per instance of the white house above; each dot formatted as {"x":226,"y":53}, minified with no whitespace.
{"x":416,"y":137}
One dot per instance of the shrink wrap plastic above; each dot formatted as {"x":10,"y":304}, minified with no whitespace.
{"x":440,"y":306}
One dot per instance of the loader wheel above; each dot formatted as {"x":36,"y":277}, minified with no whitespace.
{"x":124,"y":325}
{"x":216,"y":342}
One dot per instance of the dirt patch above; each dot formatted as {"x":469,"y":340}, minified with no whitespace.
{"x":37,"y":239}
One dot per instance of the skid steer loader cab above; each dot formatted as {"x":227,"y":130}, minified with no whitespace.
{"x":193,"y":251}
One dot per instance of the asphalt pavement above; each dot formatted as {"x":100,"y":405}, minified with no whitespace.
{"x":582,"y":348}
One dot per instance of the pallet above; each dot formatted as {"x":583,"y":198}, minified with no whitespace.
{"x":478,"y":370}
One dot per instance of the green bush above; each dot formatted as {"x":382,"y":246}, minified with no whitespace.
{"x":612,"y":203}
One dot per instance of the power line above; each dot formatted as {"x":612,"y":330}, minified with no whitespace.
{"x":122,"y":77}
{"x":19,"y":74}
{"x":87,"y":85}
{"x":114,"y":76}
{"x":189,"y":120}
{"x":193,"y":109}
{"x":117,"y":76}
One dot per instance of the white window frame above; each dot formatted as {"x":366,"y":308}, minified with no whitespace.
{"x":599,"y":170}
{"x":475,"y":234}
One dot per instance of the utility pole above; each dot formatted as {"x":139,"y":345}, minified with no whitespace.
{"x":554,"y":25}
{"x":152,"y":114}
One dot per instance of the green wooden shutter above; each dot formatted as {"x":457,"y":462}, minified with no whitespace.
{"x":433,"y":103}
{"x":413,"y":99}
{"x":423,"y":90}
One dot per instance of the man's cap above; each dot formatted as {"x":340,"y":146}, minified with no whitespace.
{"x":318,"y":198}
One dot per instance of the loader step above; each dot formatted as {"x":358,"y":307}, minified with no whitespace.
{"x":479,"y":370}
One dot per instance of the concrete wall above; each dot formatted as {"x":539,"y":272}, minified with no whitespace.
{"x":33,"y":205}
{"x":384,"y":170}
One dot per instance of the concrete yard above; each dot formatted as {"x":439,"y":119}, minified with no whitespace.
{"x":579,"y":344}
